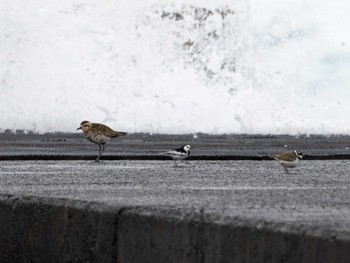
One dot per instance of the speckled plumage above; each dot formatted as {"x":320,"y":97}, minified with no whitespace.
{"x":99,"y":133}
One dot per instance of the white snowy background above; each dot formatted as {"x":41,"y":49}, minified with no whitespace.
{"x":245,"y":66}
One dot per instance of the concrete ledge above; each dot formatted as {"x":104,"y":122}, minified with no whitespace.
{"x":55,"y":230}
{"x":154,"y":236}
{"x":34,"y":229}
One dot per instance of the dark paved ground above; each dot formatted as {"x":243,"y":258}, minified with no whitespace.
{"x":228,"y":179}
{"x":147,"y":146}
{"x":317,"y":192}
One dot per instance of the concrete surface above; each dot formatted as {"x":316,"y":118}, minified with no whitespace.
{"x":146,"y":146}
{"x":149,"y":211}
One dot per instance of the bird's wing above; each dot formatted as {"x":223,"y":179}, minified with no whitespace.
{"x":181,"y":150}
{"x":288,"y":156}
{"x":101,"y":128}
{"x":175,"y":153}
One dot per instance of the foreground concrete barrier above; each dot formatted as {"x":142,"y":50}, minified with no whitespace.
{"x":154,"y":236}
{"x":40,"y":230}
{"x":34,"y":229}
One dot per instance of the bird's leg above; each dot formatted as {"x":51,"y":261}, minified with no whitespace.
{"x":103,"y":148}
{"x":175,"y":163}
{"x":285,"y":168}
{"x":99,"y":153}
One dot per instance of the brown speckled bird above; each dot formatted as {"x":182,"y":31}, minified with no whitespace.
{"x":288,"y":159}
{"x":99,"y":134}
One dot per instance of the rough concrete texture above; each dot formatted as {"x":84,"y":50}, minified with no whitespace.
{"x":149,"y":211}
{"x":146,"y":235}
{"x":202,"y":211}
{"x":42,"y":230}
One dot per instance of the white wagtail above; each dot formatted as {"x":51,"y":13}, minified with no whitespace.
{"x":288,"y":159}
{"x":179,"y":153}
{"x":99,"y":134}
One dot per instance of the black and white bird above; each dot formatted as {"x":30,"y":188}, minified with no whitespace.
{"x":180,"y":153}
{"x":288,"y":159}
{"x":100,"y":134}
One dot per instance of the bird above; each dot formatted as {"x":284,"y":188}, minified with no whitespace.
{"x":288,"y":159}
{"x":180,"y":153}
{"x":100,"y":134}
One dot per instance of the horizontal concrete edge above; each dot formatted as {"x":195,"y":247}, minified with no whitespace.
{"x":85,"y":231}
{"x":161,"y":158}
{"x":171,"y":213}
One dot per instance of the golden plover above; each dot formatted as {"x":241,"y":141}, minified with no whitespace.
{"x":99,"y":134}
{"x":288,"y":159}
{"x":179,"y":153}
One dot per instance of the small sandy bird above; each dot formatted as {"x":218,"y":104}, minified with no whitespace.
{"x":288,"y":159}
{"x":99,"y":134}
{"x":179,"y":153}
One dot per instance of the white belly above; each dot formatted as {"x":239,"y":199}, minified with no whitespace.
{"x":290,"y":164}
{"x":177,"y":155}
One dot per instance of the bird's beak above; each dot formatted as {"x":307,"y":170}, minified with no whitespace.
{"x":79,"y":128}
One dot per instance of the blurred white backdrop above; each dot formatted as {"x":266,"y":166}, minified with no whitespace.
{"x":280,"y":67}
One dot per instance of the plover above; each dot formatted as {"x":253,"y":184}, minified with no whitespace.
{"x":99,"y":134}
{"x":179,"y":153}
{"x":288,"y":159}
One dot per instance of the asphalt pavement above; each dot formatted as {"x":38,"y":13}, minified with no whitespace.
{"x":315,"y":192}
{"x":228,"y":177}
{"x":74,"y":146}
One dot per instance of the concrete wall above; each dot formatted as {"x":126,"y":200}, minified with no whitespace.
{"x":54,"y":230}
{"x":34,"y":230}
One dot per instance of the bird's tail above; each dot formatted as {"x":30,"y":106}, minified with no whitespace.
{"x":166,"y":153}
{"x":118,"y":133}
{"x":273,"y":157}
